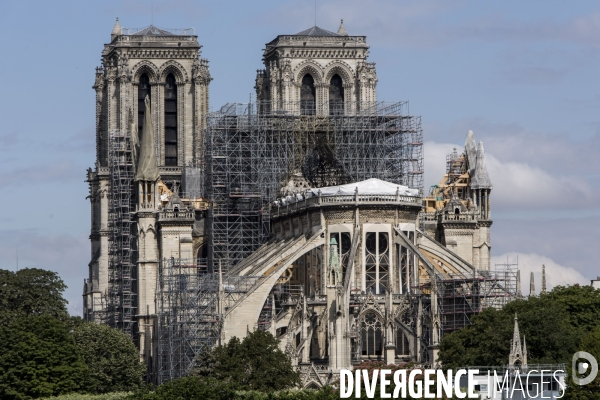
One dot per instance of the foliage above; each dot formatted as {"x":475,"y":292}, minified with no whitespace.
{"x":582,"y":304}
{"x":31,"y":291}
{"x":79,"y":396}
{"x":553,"y":326}
{"x":39,"y":357}
{"x":111,"y":356}
{"x":590,"y":344}
{"x":254,"y":363}
{"x":189,"y":388}
{"x":192,"y":388}
{"x":325,"y":393}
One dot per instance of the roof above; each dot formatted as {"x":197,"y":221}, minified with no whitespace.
{"x":153,"y":31}
{"x":342,"y":29}
{"x":370,"y":186}
{"x":117,"y":28}
{"x":316,"y":31}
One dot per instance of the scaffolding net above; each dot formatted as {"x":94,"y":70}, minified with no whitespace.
{"x":192,"y":181}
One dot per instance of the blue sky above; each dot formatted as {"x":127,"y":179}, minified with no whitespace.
{"x":523,"y":75}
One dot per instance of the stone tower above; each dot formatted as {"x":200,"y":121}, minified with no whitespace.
{"x":457,"y":211}
{"x":151,"y":102}
{"x":166,"y":67}
{"x":317,"y":71}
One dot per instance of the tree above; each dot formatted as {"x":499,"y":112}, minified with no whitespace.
{"x":39,"y":358}
{"x":31,"y":291}
{"x":254,"y":363}
{"x":591,"y":344}
{"x":111,"y":356}
{"x":189,"y":388}
{"x":582,"y":304}
{"x":544,"y":322}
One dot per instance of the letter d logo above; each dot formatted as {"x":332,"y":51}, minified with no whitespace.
{"x":583,"y":367}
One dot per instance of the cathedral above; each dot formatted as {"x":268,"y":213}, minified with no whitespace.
{"x":302,"y":213}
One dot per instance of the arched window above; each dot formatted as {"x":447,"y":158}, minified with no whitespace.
{"x":143,"y":91}
{"x":371,"y":336}
{"x":344,"y":245}
{"x":377,"y":262}
{"x":170,"y":121}
{"x":336,"y":96}
{"x":307,"y":95}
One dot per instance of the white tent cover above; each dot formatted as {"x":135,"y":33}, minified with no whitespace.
{"x":370,"y":186}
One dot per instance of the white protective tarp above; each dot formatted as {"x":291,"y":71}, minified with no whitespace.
{"x":370,"y":186}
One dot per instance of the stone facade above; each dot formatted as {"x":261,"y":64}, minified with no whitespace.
{"x":166,"y":67}
{"x":342,"y":278}
{"x":322,"y":55}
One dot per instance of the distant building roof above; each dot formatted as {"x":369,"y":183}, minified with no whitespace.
{"x":316,"y":31}
{"x":153,"y":31}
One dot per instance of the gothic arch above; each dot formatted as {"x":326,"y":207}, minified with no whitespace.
{"x":308,"y":67}
{"x":370,"y":309}
{"x":145,"y":66}
{"x":372,"y":328}
{"x":342,"y":69}
{"x":173,"y":67}
{"x":312,"y":384}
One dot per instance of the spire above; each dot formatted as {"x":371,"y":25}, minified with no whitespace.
{"x":117,"y":31}
{"x":471,"y":150}
{"x":147,"y":167}
{"x":531,"y":286}
{"x":543,"y":290}
{"x":342,"y":30}
{"x":481,"y":178}
{"x":517,"y":354}
{"x":519,"y":294}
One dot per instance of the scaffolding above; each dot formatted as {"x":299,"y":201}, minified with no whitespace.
{"x":190,"y":308}
{"x":121,"y":296}
{"x":251,"y":155}
{"x":461,"y":296}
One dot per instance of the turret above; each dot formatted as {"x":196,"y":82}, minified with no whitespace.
{"x":117,"y":30}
